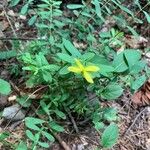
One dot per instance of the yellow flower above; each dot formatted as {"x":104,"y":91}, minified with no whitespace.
{"x":84,"y":70}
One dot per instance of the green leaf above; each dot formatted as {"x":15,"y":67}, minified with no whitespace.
{"x":45,"y":107}
{"x":99,"y":59}
{"x":30,"y":135}
{"x":105,"y":68}
{"x":138,"y":82}
{"x":46,"y":76}
{"x":5,"y":88}
{"x":4,"y":135}
{"x":24,"y":9}
{"x":7,"y":54}
{"x":110,"y":136}
{"x":74,"y":6}
{"x":87,"y":56}
{"x":110,"y":114}
{"x":105,"y":35}
{"x":99,"y":125}
{"x":56,"y":127}
{"x":147,"y":16}
{"x":14,"y":2}
{"x":112,"y":91}
{"x":60,"y":114}
{"x":119,"y":63}
{"x":22,"y":146}
{"x":65,"y":57}
{"x":64,"y":70}
{"x":132,"y":57}
{"x":43,"y":144}
{"x":125,"y":9}
{"x":22,"y":101}
{"x":132,"y":30}
{"x":32,"y":20}
{"x":50,"y":67}
{"x":48,"y":136}
{"x":32,"y":126}
{"x":71,"y":48}
{"x":32,"y":122}
{"x":97,"y":8}
{"x":91,"y":38}
{"x":139,"y":66}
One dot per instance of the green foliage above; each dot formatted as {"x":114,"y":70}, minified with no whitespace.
{"x":4,"y":135}
{"x":22,"y":146}
{"x":7,"y":54}
{"x":14,"y":2}
{"x":4,"y":87}
{"x":112,"y":91}
{"x":147,"y":16}
{"x":75,"y":57}
{"x":39,"y":132}
{"x":110,"y":136}
{"x":40,"y":67}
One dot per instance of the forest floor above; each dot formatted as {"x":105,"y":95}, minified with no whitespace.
{"x":134,"y":119}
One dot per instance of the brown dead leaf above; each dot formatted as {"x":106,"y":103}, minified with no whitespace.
{"x":136,"y":98}
{"x":145,"y":99}
{"x":147,"y":93}
{"x":142,"y":97}
{"x":135,"y":42}
{"x":4,"y":25}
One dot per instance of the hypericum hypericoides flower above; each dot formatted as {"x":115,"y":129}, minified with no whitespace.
{"x":85,"y":71}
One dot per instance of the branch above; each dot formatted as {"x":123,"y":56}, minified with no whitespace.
{"x":21,"y":39}
{"x":134,"y":121}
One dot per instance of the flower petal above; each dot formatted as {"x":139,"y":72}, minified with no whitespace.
{"x":88,"y":77}
{"x":92,"y":68}
{"x":79,"y":64}
{"x":74,"y":69}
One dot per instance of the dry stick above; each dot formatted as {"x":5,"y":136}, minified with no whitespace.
{"x":72,"y":120}
{"x":21,"y":39}
{"x":134,"y":121}
{"x":15,"y":34}
{"x":15,"y":88}
{"x":9,"y":22}
{"x":61,"y":142}
{"x":23,"y":104}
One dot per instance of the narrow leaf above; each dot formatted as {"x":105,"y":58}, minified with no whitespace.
{"x":147,"y":16}
{"x":71,"y":48}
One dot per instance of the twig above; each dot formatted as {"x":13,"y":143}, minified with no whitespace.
{"x":84,"y":121}
{"x":61,"y":142}
{"x":9,"y":22}
{"x":72,"y":120}
{"x":21,"y":39}
{"x":15,"y":34}
{"x":15,"y":88}
{"x":24,"y":103}
{"x":134,"y":121}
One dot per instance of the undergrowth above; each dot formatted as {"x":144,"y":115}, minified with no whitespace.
{"x":78,"y":61}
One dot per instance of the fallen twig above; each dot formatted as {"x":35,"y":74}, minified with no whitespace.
{"x":24,"y":103}
{"x":15,"y":88}
{"x":72,"y":120}
{"x":134,"y":121}
{"x":21,"y":39}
